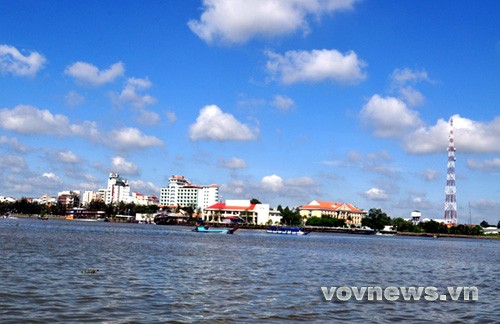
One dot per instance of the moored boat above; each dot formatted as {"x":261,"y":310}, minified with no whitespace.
{"x":206,"y":229}
{"x":286,"y":230}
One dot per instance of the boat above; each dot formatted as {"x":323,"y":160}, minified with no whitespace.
{"x":206,"y":229}
{"x":286,"y":230}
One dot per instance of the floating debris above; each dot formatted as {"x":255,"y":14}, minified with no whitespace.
{"x":90,"y":271}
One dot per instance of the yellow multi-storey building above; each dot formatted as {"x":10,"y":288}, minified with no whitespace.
{"x":349,"y":212}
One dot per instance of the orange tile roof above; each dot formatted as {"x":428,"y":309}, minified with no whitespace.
{"x":333,"y":206}
{"x":223,"y":206}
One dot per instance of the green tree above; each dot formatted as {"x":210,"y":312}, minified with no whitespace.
{"x":255,"y":201}
{"x":376,"y":219}
{"x":290,"y":217}
{"x":498,"y":225}
{"x":484,"y":224}
{"x":96,"y":205}
{"x":325,"y":221}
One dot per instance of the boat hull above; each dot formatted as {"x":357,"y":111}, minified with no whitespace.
{"x":286,"y":231}
{"x":203,"y":229}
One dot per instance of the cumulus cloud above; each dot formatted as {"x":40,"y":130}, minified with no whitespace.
{"x":233,"y":163}
{"x":377,"y":163}
{"x":130,"y":93}
{"x":52,"y":177}
{"x":214,"y":124}
{"x":12,"y":163}
{"x":404,"y":81}
{"x":316,"y":66}
{"x":13,"y":143}
{"x":14,"y":62}
{"x":146,"y":187}
{"x":147,"y":117}
{"x":67,"y":157}
{"x":31,"y":120}
{"x":131,"y":138}
{"x":283,"y":103}
{"x":236,"y":187}
{"x":429,"y":174}
{"x":470,"y":136}
{"x":406,"y":75}
{"x":375,"y":194}
{"x":272,"y":183}
{"x":120,"y":165}
{"x":171,"y":117}
{"x":74,"y":99}
{"x":237,"y":21}
{"x":87,"y":73}
{"x":389,"y":117}
{"x":486,"y":165}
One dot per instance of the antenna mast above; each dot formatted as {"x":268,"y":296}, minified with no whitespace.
{"x":450,"y":202}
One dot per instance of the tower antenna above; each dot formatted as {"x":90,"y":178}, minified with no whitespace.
{"x":450,"y":202}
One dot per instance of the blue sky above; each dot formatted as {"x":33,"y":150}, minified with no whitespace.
{"x":285,"y":101}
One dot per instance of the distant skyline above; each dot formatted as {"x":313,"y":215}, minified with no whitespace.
{"x":283,"y":101}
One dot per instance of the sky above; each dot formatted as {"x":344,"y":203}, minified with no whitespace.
{"x":283,"y":101}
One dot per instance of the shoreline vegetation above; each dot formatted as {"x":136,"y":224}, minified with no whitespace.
{"x":319,"y":229}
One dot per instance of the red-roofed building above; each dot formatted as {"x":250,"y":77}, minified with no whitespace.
{"x":233,"y":211}
{"x":317,"y":208}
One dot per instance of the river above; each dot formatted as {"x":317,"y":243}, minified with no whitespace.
{"x":70,"y":271}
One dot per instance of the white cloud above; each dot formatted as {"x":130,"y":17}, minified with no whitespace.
{"x":14,"y":62}
{"x":171,"y":117}
{"x":236,"y":21}
{"x":470,"y":136}
{"x":406,"y":75}
{"x":131,"y":138}
{"x":214,"y":124}
{"x":272,"y":183}
{"x":411,"y":96}
{"x":233,"y":163}
{"x":236,"y":187}
{"x":130,"y":93}
{"x":51,"y":176}
{"x":147,"y":117}
{"x":12,"y":163}
{"x":13,"y":143}
{"x":375,"y":194}
{"x":68,"y":157}
{"x":389,"y":117}
{"x":300,"y":182}
{"x":31,"y":120}
{"x":144,"y":187}
{"x":429,"y":174}
{"x":316,"y":66}
{"x":74,"y":99}
{"x":89,"y":74}
{"x":404,"y":80}
{"x":283,"y":103}
{"x":486,"y":165}
{"x":120,"y":165}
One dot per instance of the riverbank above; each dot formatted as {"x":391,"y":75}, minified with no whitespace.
{"x":437,"y":235}
{"x":311,"y":229}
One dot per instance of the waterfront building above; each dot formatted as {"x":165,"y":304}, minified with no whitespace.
{"x":118,"y":190}
{"x":233,"y":211}
{"x":47,"y":200}
{"x":415,"y":217}
{"x":145,"y":200}
{"x":180,"y":192}
{"x":68,"y":198}
{"x":7,"y":199}
{"x":316,"y":208}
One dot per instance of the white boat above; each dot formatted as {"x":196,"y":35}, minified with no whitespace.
{"x":286,"y":230}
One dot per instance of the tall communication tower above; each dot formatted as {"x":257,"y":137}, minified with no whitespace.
{"x":450,"y":202}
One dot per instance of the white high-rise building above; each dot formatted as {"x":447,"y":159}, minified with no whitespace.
{"x":180,"y":192}
{"x":118,"y":190}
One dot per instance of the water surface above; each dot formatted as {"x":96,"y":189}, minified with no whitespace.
{"x":149,"y":273}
